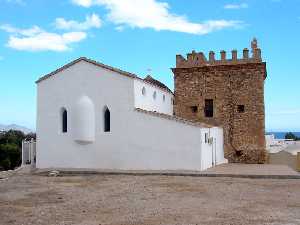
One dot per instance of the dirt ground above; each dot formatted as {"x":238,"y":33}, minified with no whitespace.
{"x":138,"y":200}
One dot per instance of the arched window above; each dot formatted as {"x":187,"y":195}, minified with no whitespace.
{"x":154,"y":95}
{"x":144,"y":91}
{"x":164,"y":98}
{"x":64,"y":120}
{"x":106,"y":120}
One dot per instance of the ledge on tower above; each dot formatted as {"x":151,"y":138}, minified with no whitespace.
{"x":195,"y":59}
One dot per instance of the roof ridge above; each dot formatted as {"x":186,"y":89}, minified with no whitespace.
{"x":156,"y":82}
{"x":89,"y":61}
{"x":125,"y":73}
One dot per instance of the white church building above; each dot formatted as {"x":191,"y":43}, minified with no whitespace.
{"x":94,"y":116}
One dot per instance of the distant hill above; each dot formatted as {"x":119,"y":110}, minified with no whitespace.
{"x":25,"y":130}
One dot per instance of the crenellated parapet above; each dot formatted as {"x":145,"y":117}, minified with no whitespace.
{"x":195,"y":59}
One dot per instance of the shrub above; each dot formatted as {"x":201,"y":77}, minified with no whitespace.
{"x":292,"y":136}
{"x":10,"y":147}
{"x":12,"y":153}
{"x":5,"y":164}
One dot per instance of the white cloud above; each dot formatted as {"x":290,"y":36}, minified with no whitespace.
{"x":36,"y":39}
{"x":236,"y":6}
{"x":19,"y":2}
{"x":92,"y":21}
{"x":26,"y":32}
{"x":46,"y":41}
{"x":84,"y":3}
{"x":155,"y":15}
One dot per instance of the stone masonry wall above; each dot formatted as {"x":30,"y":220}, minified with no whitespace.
{"x":229,"y":85}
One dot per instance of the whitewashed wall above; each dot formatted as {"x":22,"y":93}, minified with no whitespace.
{"x":148,"y":102}
{"x":136,"y":141}
{"x":207,"y":151}
{"x":166,"y":144}
{"x":218,"y":142}
{"x":28,"y":152}
{"x":212,"y":152}
{"x":270,"y":140}
{"x":83,"y":120}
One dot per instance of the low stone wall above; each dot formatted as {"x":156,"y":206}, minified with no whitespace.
{"x":298,"y":161}
{"x":285,"y":158}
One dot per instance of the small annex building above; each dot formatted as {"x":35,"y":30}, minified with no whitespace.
{"x":94,"y":116}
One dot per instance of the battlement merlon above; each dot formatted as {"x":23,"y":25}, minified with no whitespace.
{"x":195,"y":59}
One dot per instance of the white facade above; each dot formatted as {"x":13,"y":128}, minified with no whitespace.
{"x":212,"y":146}
{"x":28,"y":153}
{"x":149,"y":97}
{"x":137,"y":139}
{"x":84,"y":120}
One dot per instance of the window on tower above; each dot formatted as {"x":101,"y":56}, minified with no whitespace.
{"x":194,"y":109}
{"x":209,"y":108}
{"x":241,"y":108}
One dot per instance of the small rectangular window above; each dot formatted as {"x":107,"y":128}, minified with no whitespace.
{"x":241,"y":108}
{"x":209,"y":108}
{"x":194,"y":109}
{"x":206,"y":138}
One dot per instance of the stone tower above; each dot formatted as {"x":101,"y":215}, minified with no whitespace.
{"x":228,"y":93}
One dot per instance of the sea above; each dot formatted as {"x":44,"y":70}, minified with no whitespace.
{"x":281,"y":135}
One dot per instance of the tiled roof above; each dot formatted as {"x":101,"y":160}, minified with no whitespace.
{"x":156,"y":83}
{"x":89,"y":61}
{"x":122,"y":72}
{"x":174,"y":118}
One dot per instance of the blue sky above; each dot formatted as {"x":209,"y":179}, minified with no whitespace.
{"x":37,"y":36}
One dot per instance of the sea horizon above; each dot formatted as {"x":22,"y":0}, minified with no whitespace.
{"x":281,"y":134}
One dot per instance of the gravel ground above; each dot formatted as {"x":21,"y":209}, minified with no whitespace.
{"x":138,"y":200}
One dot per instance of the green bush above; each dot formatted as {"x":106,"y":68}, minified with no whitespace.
{"x":12,"y":137}
{"x":10,"y":154}
{"x":292,"y":136}
{"x":11,"y":148}
{"x":5,"y":164}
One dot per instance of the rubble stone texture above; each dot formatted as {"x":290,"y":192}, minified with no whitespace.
{"x":236,"y":87}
